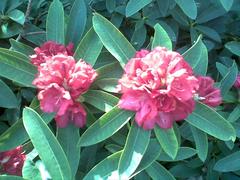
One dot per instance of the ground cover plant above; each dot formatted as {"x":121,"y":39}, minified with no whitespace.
{"x":119,"y":89}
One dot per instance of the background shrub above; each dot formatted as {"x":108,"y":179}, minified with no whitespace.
{"x":205,"y":146}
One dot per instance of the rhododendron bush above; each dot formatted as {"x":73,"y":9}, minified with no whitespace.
{"x":119,"y":89}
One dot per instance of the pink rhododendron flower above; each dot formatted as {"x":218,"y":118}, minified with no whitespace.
{"x":60,"y":82}
{"x":75,"y":114}
{"x":12,"y":161}
{"x":49,"y":49}
{"x":237,"y":82}
{"x":207,"y":93}
{"x":158,"y":85}
{"x":54,"y":99}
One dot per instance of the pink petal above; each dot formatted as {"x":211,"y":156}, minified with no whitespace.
{"x":54,"y":99}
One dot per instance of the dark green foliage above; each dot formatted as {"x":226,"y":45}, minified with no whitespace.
{"x":106,"y":34}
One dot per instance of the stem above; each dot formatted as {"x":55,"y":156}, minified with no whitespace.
{"x":26,"y":19}
{"x":33,"y":33}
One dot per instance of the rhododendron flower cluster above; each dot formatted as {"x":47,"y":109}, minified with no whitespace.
{"x":11,"y":162}
{"x":60,"y":81}
{"x":160,"y":86}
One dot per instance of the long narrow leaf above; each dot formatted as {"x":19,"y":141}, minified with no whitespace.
{"x":105,"y":126}
{"x":106,"y":168}
{"x":7,"y":97}
{"x":201,"y":141}
{"x":89,"y":48}
{"x":157,"y":171}
{"x":77,"y":22}
{"x":113,"y":39}
{"x":47,"y":145}
{"x":16,"y":67}
{"x":55,"y":22}
{"x":161,"y":38}
{"x":168,"y":140}
{"x":68,"y":138}
{"x":209,"y":121}
{"x":135,"y":147}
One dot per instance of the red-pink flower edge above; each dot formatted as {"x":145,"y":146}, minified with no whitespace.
{"x":12,"y":161}
{"x":237,"y":82}
{"x":207,"y":93}
{"x":48,"y":49}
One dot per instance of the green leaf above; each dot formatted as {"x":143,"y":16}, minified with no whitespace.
{"x":90,"y":117}
{"x":142,"y":176}
{"x":89,"y":48}
{"x":234,"y":47}
{"x":209,"y":121}
{"x":47,"y":145}
{"x":209,"y":13}
{"x":228,"y":163}
{"x":234,"y":115}
{"x":108,"y":84}
{"x":211,"y":174}
{"x":113,"y":148}
{"x":156,"y":171}
{"x":112,"y":70}
{"x":17,"y":16}
{"x":105,"y":126}
{"x":100,"y":99}
{"x":113,"y":39}
{"x":202,"y":65}
{"x":16,"y":134}
{"x":171,"y":30}
{"x":201,"y":141}
{"x":39,"y":39}
{"x":30,"y":171}
{"x":133,"y":6}
{"x":222,"y":69}
{"x":229,"y":79}
{"x":180,"y":17}
{"x":105,"y":168}
{"x":77,"y":22}
{"x":20,"y":47}
{"x":189,"y":7}
{"x":68,"y":138}
{"x":135,"y":147}
{"x":197,"y":57}
{"x":164,"y":6}
{"x":7,"y":97}
{"x":8,"y":30}
{"x":227,"y":4}
{"x":193,"y":54}
{"x":153,"y":151}
{"x":55,"y":22}
{"x":184,"y":171}
{"x":168,"y":140}
{"x":8,"y":177}
{"x":139,"y":35}
{"x":16,"y":67}
{"x":161,"y":38}
{"x":183,"y":153}
{"x":209,"y":32}
{"x":110,"y":5}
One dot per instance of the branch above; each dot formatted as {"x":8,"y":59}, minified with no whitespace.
{"x":27,"y":13}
